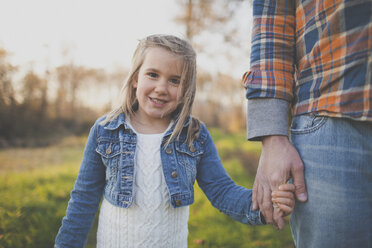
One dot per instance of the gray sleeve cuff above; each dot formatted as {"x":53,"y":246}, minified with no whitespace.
{"x":266,"y":117}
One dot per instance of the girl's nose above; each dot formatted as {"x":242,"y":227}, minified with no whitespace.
{"x":161,"y":86}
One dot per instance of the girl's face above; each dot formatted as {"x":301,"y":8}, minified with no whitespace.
{"x":158,"y":86}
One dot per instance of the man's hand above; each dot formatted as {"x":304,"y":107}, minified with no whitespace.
{"x":278,"y":162}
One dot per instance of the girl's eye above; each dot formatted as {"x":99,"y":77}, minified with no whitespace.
{"x":153,"y":74}
{"x":175,"y":81}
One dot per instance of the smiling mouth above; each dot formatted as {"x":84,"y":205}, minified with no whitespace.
{"x":157,"y":101}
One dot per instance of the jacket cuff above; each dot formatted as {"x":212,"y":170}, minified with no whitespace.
{"x":266,"y":117}
{"x":255,"y":217}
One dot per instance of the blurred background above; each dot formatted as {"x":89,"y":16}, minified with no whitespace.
{"x":62,"y":64}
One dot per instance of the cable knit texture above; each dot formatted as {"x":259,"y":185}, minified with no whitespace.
{"x":150,"y":221}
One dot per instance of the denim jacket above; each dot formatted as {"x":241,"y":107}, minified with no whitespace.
{"x":108,"y":168}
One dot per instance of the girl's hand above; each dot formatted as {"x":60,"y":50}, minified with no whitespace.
{"x":284,"y":198}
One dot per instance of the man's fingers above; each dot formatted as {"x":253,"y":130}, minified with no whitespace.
{"x":299,"y":182}
{"x":254,"y":196}
{"x":266,"y":205}
{"x":260,"y":196}
{"x":279,"y":222}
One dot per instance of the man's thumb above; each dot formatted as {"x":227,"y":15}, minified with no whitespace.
{"x":301,"y":196}
{"x":299,"y":182}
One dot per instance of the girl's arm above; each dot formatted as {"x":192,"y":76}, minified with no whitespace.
{"x":85,"y":197}
{"x":220,"y":189}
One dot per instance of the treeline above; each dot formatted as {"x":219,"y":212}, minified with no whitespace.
{"x":38,"y":110}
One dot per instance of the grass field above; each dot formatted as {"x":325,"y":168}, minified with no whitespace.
{"x":35,"y":184}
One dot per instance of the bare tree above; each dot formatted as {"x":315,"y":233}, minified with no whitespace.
{"x":218,"y":23}
{"x":213,"y":16}
{"x":70,"y":79}
{"x":7,"y":94}
{"x":35,"y":94}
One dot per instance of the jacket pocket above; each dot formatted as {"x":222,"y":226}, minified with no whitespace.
{"x":110,"y":154}
{"x":188,"y":158}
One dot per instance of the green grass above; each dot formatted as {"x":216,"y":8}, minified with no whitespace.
{"x":35,"y":184}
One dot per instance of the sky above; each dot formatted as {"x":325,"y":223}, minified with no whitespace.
{"x":96,"y":33}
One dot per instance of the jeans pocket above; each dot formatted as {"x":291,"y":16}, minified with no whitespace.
{"x":304,"y":124}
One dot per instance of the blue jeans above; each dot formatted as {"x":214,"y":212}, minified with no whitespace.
{"x":337,"y":154}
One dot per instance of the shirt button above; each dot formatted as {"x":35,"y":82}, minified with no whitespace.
{"x":192,"y":149}
{"x":178,"y":203}
{"x":168,"y":150}
{"x":174,"y":174}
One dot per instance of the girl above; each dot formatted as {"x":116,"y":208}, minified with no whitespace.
{"x":145,"y":156}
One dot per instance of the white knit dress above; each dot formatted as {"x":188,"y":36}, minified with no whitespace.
{"x":150,"y":221}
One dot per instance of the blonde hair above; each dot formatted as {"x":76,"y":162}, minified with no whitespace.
{"x":129,"y":103}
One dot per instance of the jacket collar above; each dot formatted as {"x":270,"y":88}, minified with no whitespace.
{"x":120,"y":120}
{"x":116,"y":123}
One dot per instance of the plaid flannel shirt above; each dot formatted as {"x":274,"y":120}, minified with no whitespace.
{"x":315,"y":54}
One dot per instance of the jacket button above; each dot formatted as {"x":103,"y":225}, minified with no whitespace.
{"x":168,"y":150}
{"x":108,"y":150}
{"x":178,"y":203}
{"x":192,"y":149}
{"x":174,"y":174}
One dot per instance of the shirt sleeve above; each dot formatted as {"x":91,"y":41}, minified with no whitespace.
{"x":272,"y":50}
{"x":270,"y":81}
